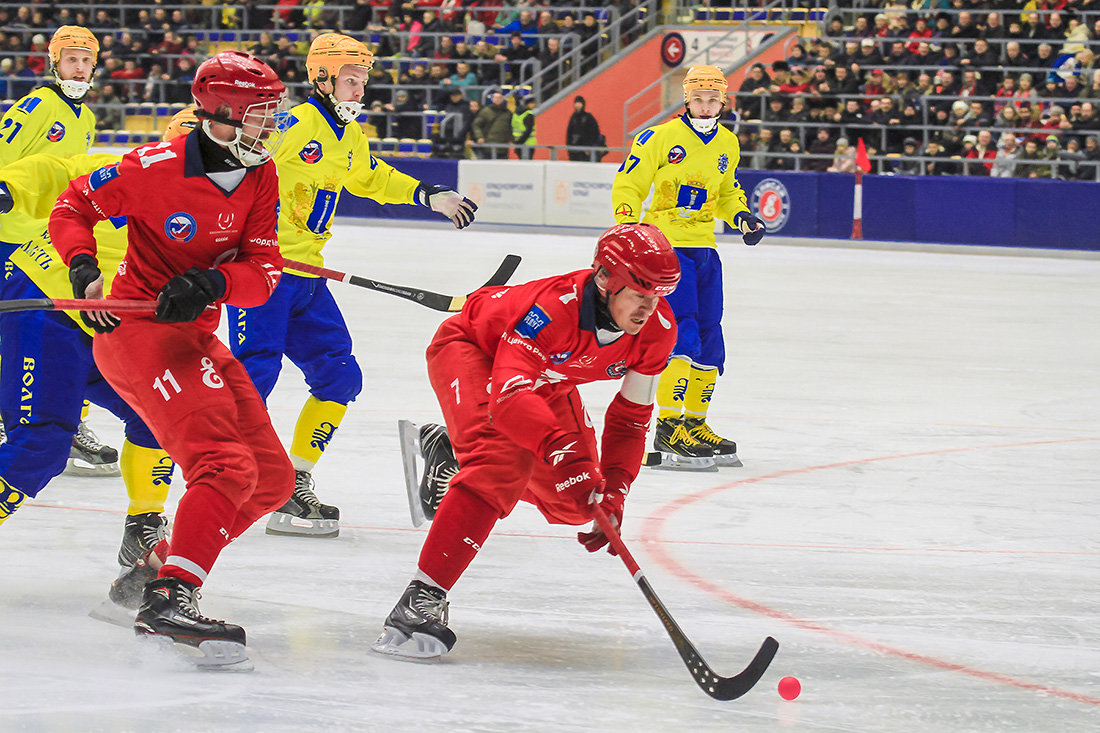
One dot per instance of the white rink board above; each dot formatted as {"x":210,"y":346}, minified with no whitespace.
{"x":506,"y":192}
{"x":578,"y":194}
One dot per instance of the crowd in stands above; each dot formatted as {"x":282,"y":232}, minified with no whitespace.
{"x":447,"y":56}
{"x":934,"y":88}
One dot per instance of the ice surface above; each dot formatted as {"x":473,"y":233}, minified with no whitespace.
{"x":917,"y":523}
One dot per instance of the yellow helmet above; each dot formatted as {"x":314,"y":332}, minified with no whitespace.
{"x":181,"y":123}
{"x":72,"y":36}
{"x":705,"y":77}
{"x":330,"y":52}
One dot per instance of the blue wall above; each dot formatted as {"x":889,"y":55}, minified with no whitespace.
{"x":1011,"y":212}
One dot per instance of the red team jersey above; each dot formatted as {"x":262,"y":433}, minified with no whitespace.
{"x":174,"y":228}
{"x":551,"y":346}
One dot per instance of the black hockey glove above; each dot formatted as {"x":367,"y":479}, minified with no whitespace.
{"x":6,"y":200}
{"x":83,"y":271}
{"x":752,"y":228}
{"x":448,"y":202}
{"x":185,"y":297}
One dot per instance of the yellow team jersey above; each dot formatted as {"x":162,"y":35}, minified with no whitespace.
{"x":693,"y":179}
{"x":35,"y":183}
{"x":316,"y":159}
{"x":44,"y":121}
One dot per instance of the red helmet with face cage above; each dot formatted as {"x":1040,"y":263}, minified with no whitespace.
{"x":237,"y":80}
{"x":638,"y":256}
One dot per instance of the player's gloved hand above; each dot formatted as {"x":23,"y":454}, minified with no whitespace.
{"x":752,"y":228}
{"x":87,"y":282}
{"x":185,"y":297}
{"x":576,"y":473}
{"x":448,"y":202}
{"x":6,"y":200}
{"x":611,"y":501}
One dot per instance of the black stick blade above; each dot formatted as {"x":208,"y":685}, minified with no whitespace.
{"x":504,"y":272}
{"x":731,"y":688}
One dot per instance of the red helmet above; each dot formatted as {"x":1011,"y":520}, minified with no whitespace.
{"x":638,"y":256}
{"x":255,"y":98}
{"x":235,"y":79}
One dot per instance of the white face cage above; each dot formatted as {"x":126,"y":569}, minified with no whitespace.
{"x":257,"y":134}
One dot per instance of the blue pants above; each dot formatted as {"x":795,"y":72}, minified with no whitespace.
{"x":301,"y":320}
{"x":46,"y":373}
{"x":697,"y":304}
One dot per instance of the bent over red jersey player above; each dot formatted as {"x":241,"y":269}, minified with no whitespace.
{"x":505,"y":371}
{"x":202,"y":213}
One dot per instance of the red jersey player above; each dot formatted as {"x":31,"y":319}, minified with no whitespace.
{"x":505,"y":371}
{"x":202,"y":213}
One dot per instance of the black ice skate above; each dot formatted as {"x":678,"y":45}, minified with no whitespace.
{"x":675,"y":449}
{"x":304,"y":515}
{"x":416,"y":629}
{"x":89,"y":457}
{"x":725,"y":451}
{"x":141,"y":533}
{"x":169,"y":611}
{"x":440,"y":466}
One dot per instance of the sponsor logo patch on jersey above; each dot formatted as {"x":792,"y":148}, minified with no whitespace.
{"x":561,"y":357}
{"x":100,"y":176}
{"x":535,"y":320}
{"x":723,"y":163}
{"x":28,"y":105}
{"x":677,"y":154}
{"x":617,"y":370}
{"x":55,"y":133}
{"x":311,"y":153}
{"x":180,"y":227}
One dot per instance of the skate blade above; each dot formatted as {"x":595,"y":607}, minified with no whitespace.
{"x":288,"y":525}
{"x":409,"y":434}
{"x":79,"y":467}
{"x":420,"y":648}
{"x":730,"y":460}
{"x":673,"y":462}
{"x":209,"y":656}
{"x":110,"y":612}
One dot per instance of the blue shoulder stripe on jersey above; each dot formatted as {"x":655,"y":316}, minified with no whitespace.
{"x":289,"y":122}
{"x":117,"y":221}
{"x":103,"y":175}
{"x":535,"y":320}
{"x":28,"y":104}
{"x":337,"y":128}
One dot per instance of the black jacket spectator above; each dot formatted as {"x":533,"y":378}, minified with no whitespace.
{"x":583,"y":129}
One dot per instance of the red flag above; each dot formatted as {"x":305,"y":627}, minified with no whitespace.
{"x":862,"y":161}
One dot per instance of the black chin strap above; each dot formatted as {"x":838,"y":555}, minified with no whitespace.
{"x":325,"y":100}
{"x":604,"y":320}
{"x":215,"y":158}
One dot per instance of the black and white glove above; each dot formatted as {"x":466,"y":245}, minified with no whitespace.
{"x":6,"y":200}
{"x":185,"y":297}
{"x":752,"y":228}
{"x":448,"y":202}
{"x":84,"y":275}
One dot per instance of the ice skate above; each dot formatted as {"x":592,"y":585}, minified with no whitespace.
{"x":169,"y":611}
{"x":675,"y":449}
{"x":304,"y":515}
{"x":416,"y":629}
{"x":725,"y":451}
{"x":426,"y":488}
{"x":141,"y":533}
{"x":440,"y":466}
{"x":89,"y":457}
{"x":125,"y":594}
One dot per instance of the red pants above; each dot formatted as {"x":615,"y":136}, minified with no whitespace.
{"x":201,"y":405}
{"x":493,"y":467}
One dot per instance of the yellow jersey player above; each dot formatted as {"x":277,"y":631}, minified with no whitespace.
{"x":322,"y":151}
{"x":690,"y":163}
{"x":54,"y":119}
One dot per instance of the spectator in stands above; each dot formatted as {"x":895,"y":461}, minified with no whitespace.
{"x":982,"y":56}
{"x":264,"y":48}
{"x":430,"y":24}
{"x":1049,"y":156}
{"x":1007,"y":118}
{"x":109,"y":109}
{"x":493,"y":124}
{"x":359,"y":18}
{"x":1085,"y":122}
{"x":582,"y":130}
{"x":406,"y":120}
{"x":440,"y":86}
{"x":897,"y":55}
{"x":964,"y":30}
{"x":835,"y":29}
{"x":868,"y":54}
{"x":1026,"y":166}
{"x":526,"y":25}
{"x":862,"y":28}
{"x":551,"y":73}
{"x":463,"y":78}
{"x":1044,"y":56}
{"x":546,"y":23}
{"x":976,"y":115}
{"x":1094,"y":88}
{"x":925,"y":56}
{"x":756,"y":82}
{"x":1025,"y":92}
{"x":844,"y":82}
{"x":1072,"y":87}
{"x":1004,"y":164}
{"x":907,"y":165}
{"x":777,"y":110}
{"x":921,"y":32}
{"x":844,"y":158}
{"x":939,"y":165}
{"x":822,"y":145}
{"x":387,"y":33}
{"x":983,"y":150}
{"x":786,"y":147}
{"x":512,"y":56}
{"x":991,"y":28}
{"x":1070,"y":163}
{"x":487,"y":73}
{"x":129,"y":77}
{"x":590,"y":51}
{"x":444,"y":51}
{"x":523,"y":128}
{"x":462,"y":52}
